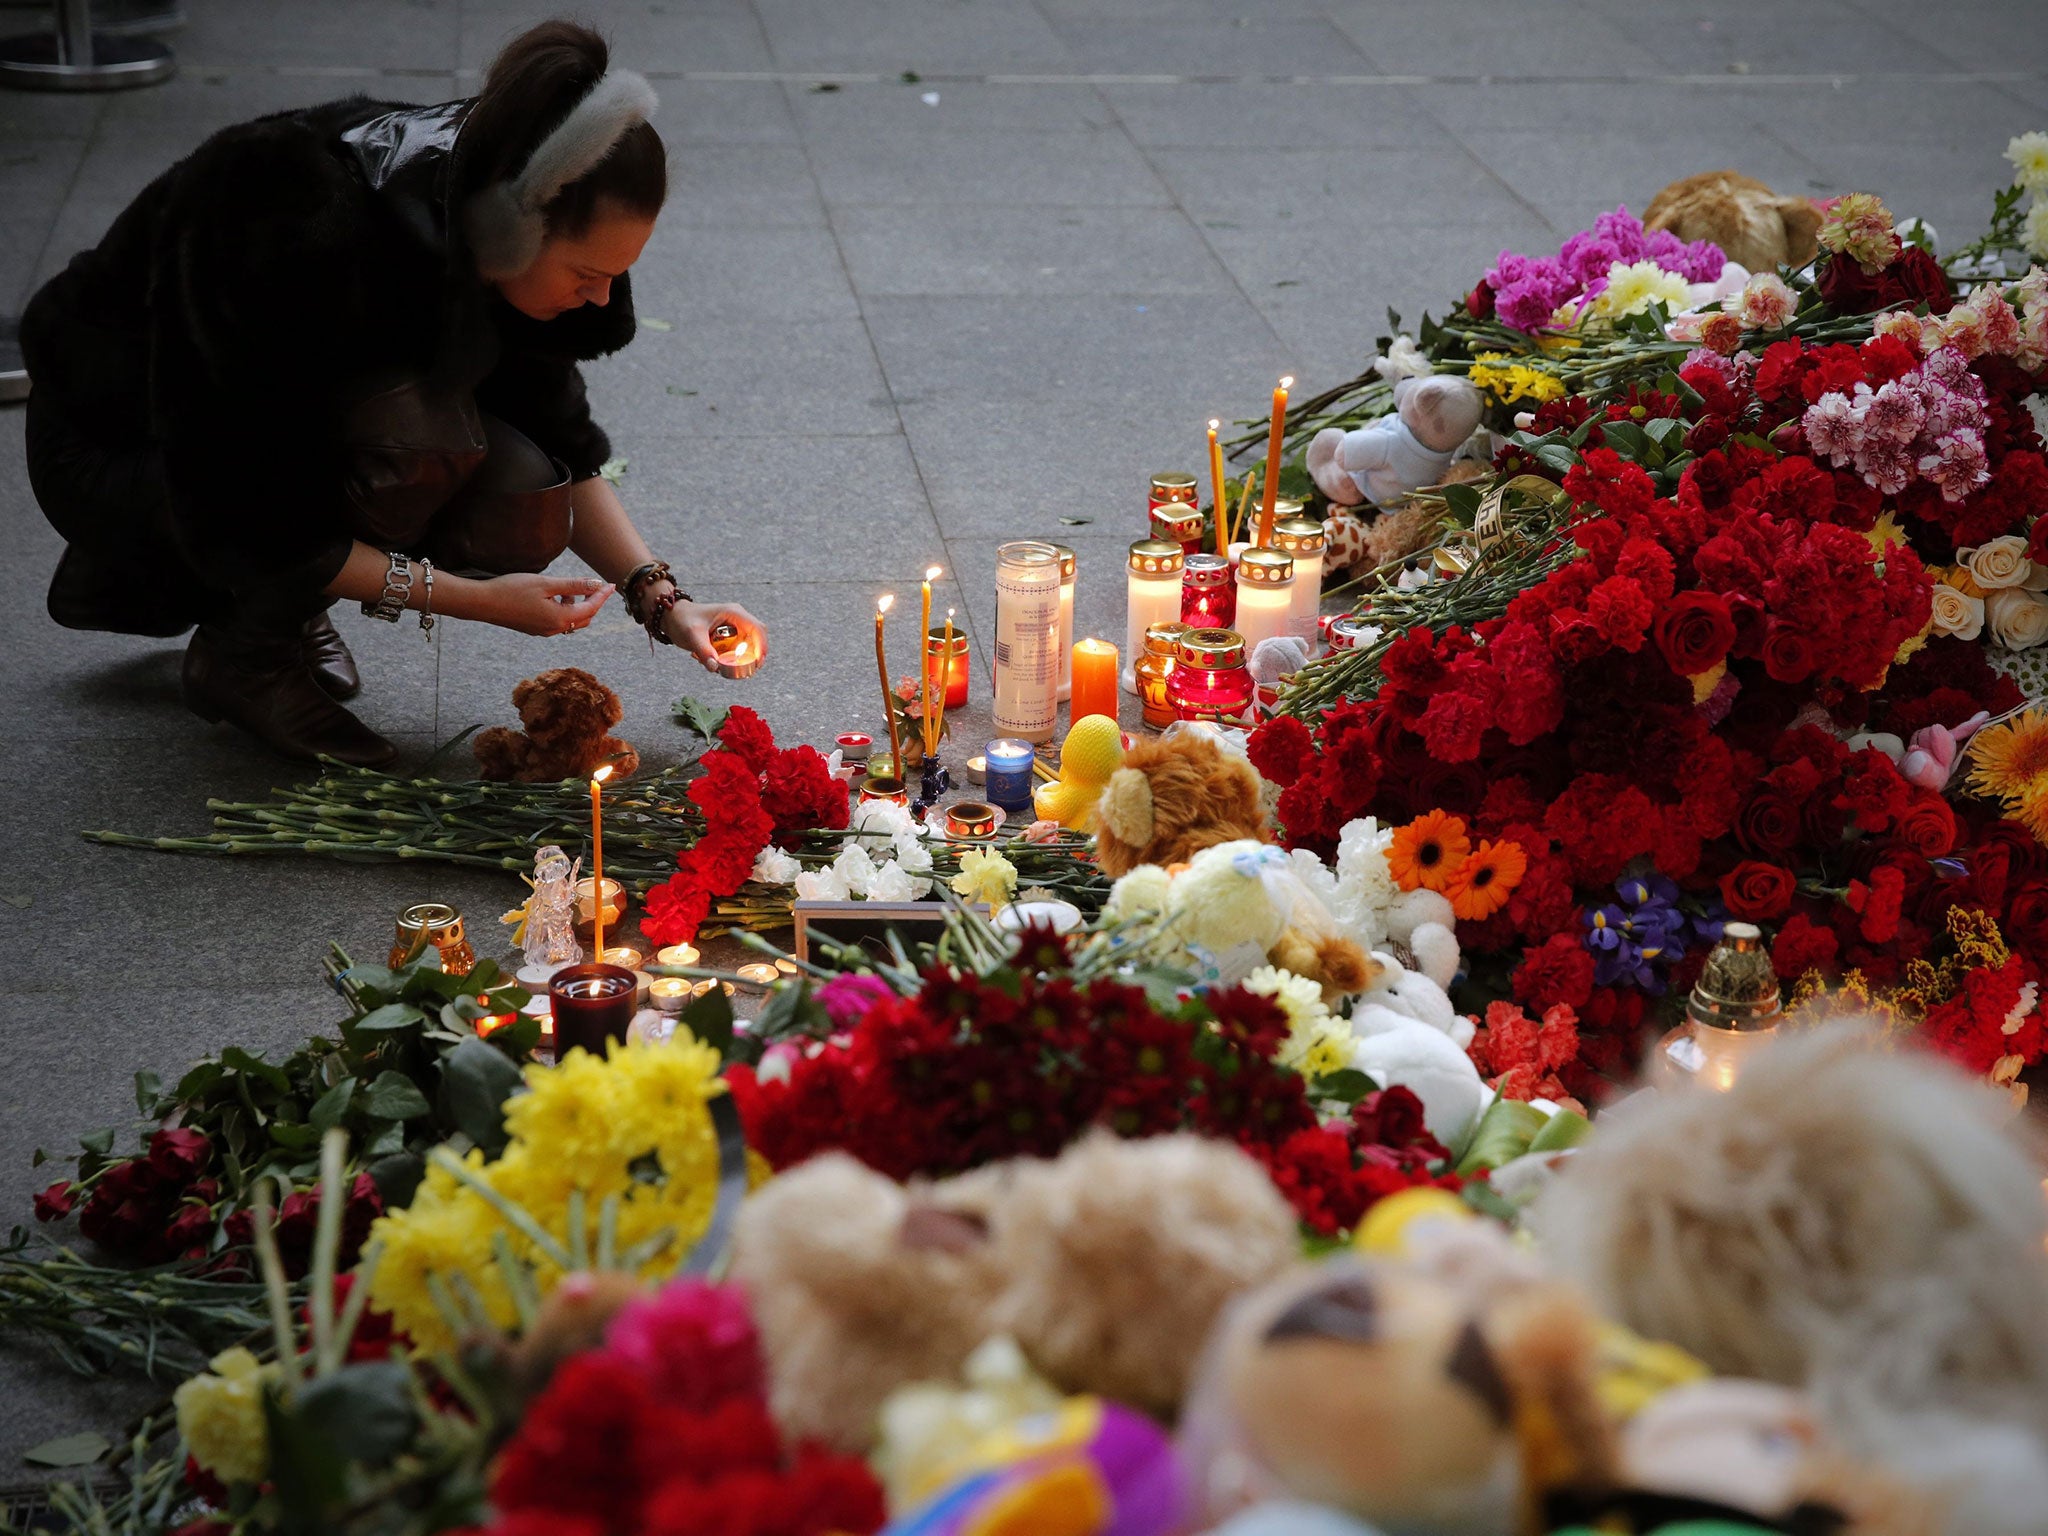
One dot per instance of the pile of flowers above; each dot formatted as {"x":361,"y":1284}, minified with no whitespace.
{"x":1741,"y":674}
{"x":1615,"y":269}
{"x":665,"y":1430}
{"x":965,"y":1068}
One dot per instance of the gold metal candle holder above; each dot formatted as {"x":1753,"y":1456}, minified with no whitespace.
{"x":972,"y":819}
{"x":884,"y":787}
{"x":438,"y":924}
{"x":1733,"y":1011}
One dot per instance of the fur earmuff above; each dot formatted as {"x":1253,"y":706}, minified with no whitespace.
{"x":504,"y":223}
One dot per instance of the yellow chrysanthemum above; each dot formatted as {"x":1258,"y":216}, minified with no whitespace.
{"x":1508,"y":382}
{"x":1886,"y":532}
{"x":1632,"y":287}
{"x":1316,"y":1043}
{"x":2011,"y":758}
{"x":1959,"y":577}
{"x":633,"y":1128}
{"x":220,"y":1417}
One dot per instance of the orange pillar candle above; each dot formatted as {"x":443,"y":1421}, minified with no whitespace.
{"x":1094,"y":681}
{"x":1273,"y":438}
{"x":1216,"y":493}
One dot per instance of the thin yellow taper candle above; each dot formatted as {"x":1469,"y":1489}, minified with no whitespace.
{"x":945,"y":682}
{"x":597,"y":859}
{"x":888,"y":699}
{"x":1216,"y":493}
{"x":924,"y":664}
{"x":1273,"y":438}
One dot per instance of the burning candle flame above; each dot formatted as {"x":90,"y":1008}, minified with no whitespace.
{"x":1287,"y":382}
{"x":602,"y":774}
{"x":933,"y":572}
{"x":882,"y":603}
{"x":1214,"y":423}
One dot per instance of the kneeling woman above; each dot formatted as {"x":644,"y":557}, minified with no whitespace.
{"x":333,"y":354}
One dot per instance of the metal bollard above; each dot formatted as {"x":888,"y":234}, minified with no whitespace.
{"x":74,"y":57}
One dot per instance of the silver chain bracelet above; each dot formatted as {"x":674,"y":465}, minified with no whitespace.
{"x":427,"y":603}
{"x":397,"y":590}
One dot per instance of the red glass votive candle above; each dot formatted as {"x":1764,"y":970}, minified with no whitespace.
{"x":1208,"y":592}
{"x":592,"y":1004}
{"x":1209,"y":679}
{"x":954,"y":664}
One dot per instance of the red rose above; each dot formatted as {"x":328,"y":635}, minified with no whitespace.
{"x":2026,"y":919}
{"x":1479,"y":302}
{"x":1928,"y":825}
{"x":1392,"y":1117}
{"x":1694,"y":631}
{"x":1788,"y":655}
{"x":1757,"y":892}
{"x":192,"y":1226}
{"x":55,"y":1203}
{"x":1915,"y":278}
{"x":177,"y":1155}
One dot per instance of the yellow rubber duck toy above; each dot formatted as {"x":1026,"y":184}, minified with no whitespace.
{"x":1094,"y":750}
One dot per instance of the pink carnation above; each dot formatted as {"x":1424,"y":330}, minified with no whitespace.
{"x":1958,"y":464}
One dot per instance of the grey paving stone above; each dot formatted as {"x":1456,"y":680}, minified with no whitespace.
{"x":957,"y":250}
{"x":964,"y":106}
{"x":37,"y":171}
{"x":694,"y":272}
{"x":1250,"y":44}
{"x":1758,"y":36}
{"x":1294,"y":188}
{"x":647,"y":35}
{"x":1485,"y":37}
{"x":926,"y":36}
{"x":739,"y":186}
{"x":42,"y":114}
{"x":410,"y":34}
{"x":1207,"y":114}
{"x":1053,"y":169}
{"x":723,"y":112}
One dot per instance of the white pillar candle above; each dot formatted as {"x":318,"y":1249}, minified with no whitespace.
{"x":1265,"y":596}
{"x":1151,"y":596}
{"x":1066,"y":641}
{"x":1302,"y":537}
{"x":1027,"y":640}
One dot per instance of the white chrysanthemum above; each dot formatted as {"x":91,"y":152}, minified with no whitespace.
{"x":1632,"y":287}
{"x":2037,"y":228}
{"x":774,"y":867}
{"x":1362,"y":862}
{"x":855,"y":867}
{"x":2029,"y":156}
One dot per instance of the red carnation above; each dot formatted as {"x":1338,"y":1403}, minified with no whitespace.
{"x":1757,"y":892}
{"x":55,"y":1203}
{"x":1877,"y":905}
{"x":1803,"y":945}
{"x":746,"y":735}
{"x":1915,"y":278}
{"x":1281,"y":748}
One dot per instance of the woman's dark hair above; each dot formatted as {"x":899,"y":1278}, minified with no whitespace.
{"x":531,"y":86}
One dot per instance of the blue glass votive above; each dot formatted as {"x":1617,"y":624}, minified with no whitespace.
{"x":1009,"y":774}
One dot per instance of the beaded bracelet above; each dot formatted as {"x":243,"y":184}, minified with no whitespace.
{"x":651,"y":618}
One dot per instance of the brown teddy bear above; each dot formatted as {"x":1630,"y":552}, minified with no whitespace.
{"x":1172,"y":798}
{"x":567,"y":714}
{"x":1751,"y":223}
{"x":1106,"y":1264}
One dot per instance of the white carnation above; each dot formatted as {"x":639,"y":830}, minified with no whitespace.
{"x":881,"y":816}
{"x":855,"y":868}
{"x":774,"y":867}
{"x":821,"y":885}
{"x":890,"y":883}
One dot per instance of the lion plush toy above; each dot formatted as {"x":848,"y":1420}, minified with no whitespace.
{"x":1753,"y":225}
{"x":1173,"y":797}
{"x":568,"y":715}
{"x":1106,"y":1265}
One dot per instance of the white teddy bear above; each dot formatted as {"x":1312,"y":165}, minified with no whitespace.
{"x":1367,"y":906}
{"x":1384,"y":460}
{"x":1408,"y":1035}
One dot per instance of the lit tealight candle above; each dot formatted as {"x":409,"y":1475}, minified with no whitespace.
{"x":671,"y":994}
{"x":977,"y":769}
{"x":677,"y":954}
{"x":623,"y":957}
{"x":786,"y":967}
{"x":1094,"y":680}
{"x":854,"y":746}
{"x":736,"y":655}
{"x":760,"y":973}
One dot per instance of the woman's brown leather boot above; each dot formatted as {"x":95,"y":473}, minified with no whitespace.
{"x":257,"y":679}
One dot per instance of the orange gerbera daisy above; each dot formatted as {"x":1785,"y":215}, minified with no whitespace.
{"x":1483,"y":883}
{"x":1428,"y":851}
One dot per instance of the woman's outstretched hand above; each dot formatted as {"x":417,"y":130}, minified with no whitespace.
{"x":690,"y":624}
{"x":545,"y":605}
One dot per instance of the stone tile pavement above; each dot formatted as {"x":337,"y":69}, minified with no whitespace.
{"x":937,"y":272}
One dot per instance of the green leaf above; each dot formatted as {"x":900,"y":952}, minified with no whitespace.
{"x":394,"y":1096}
{"x":613,"y":470}
{"x":332,"y":1105}
{"x":1667,"y":432}
{"x":293,"y":1138}
{"x":364,"y":1411}
{"x":307,"y":1469}
{"x":1502,"y":1135}
{"x":1463,"y":501}
{"x":392,"y":1016}
{"x":1347,"y":1085}
{"x":701,"y":719}
{"x":79,"y":1450}
{"x":1556,"y":456}
{"x":198,"y":1081}
{"x":388,"y":1139}
{"x":373,"y":978}
{"x":238,"y":1060}
{"x":397,"y":1175}
{"x":102,"y":1140}
{"x":649,"y":324}
{"x":147,"y":1086}
{"x":1566,"y":1128}
{"x":709,"y":1018}
{"x":476,"y":1080}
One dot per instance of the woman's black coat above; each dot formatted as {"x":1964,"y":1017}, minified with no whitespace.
{"x":250,"y":290}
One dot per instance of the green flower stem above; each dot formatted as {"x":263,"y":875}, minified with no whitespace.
{"x":515,"y":1215}
{"x":326,"y":1250}
{"x":264,"y":1217}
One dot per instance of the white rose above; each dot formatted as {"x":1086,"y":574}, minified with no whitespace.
{"x":2019,"y":619}
{"x":1957,"y":613}
{"x":2000,"y":563}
